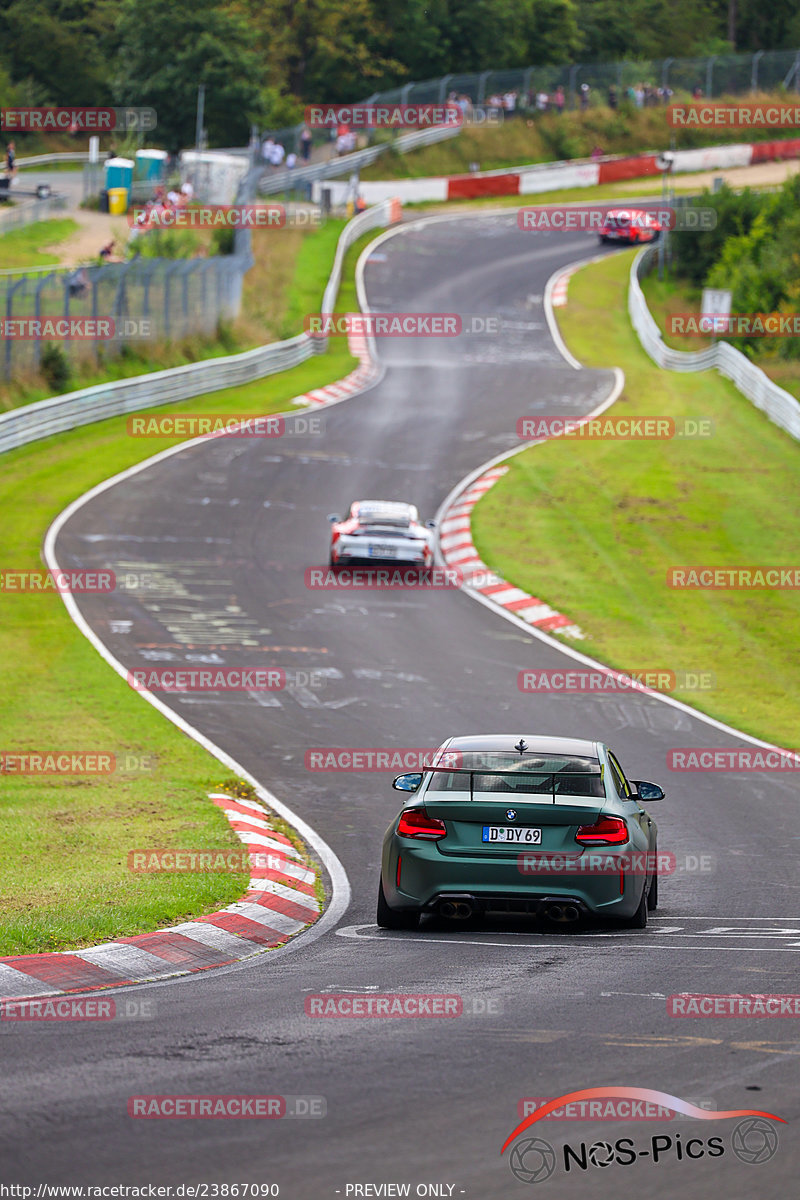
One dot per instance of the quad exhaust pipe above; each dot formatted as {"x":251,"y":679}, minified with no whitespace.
{"x":564,"y":914}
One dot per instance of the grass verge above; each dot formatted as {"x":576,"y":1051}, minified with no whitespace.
{"x":592,"y":527}
{"x":27,"y":246}
{"x":64,"y":840}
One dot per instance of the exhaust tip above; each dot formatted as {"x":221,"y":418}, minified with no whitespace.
{"x":458,"y":909}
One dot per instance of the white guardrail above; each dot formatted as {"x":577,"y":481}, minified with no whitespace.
{"x":62,"y":413}
{"x":781,"y":407}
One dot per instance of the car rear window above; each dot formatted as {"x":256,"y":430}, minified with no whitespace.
{"x":562,"y":775}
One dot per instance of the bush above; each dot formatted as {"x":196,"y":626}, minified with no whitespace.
{"x":55,"y":368}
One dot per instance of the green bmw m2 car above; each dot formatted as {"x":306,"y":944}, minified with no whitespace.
{"x":549,"y":826}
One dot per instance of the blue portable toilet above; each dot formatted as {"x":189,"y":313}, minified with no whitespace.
{"x":151,"y":165}
{"x":118,"y":173}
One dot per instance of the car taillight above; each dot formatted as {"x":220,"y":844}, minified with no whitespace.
{"x":610,"y":830}
{"x":415,"y":823}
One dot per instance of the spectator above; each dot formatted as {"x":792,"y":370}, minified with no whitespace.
{"x":305,"y":143}
{"x":266,"y":149}
{"x":638,"y":96}
{"x":278,"y":154}
{"x":361,"y":203}
{"x":559,"y":99}
{"x":597,"y":152}
{"x":11,"y":160}
{"x":697,"y":94}
{"x":612,"y":97}
{"x":187,"y":191}
{"x":509,"y":103}
{"x":542,"y":101}
{"x":107,"y":252}
{"x":585,"y":89}
{"x":291,"y":161}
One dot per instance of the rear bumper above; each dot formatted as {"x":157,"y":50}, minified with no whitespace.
{"x":426,"y":877}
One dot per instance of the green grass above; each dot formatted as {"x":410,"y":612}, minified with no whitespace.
{"x":593,"y":527}
{"x":64,"y":840}
{"x":20,"y":248}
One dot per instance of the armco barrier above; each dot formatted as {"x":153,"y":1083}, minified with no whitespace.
{"x":781,"y":408}
{"x":62,"y":413}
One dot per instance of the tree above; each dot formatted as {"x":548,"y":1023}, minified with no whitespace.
{"x":166,"y":51}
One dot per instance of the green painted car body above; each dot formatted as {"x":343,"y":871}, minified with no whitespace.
{"x":548,"y":826}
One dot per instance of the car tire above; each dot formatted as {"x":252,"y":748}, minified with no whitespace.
{"x":652,"y":895}
{"x":392,"y":918}
{"x":639,"y":918}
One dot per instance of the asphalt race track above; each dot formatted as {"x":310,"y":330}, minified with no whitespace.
{"x":227,"y":529}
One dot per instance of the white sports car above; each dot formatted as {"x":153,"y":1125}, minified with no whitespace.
{"x":381,"y":531}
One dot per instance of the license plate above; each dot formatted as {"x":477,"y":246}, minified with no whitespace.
{"x":505,"y":834}
{"x":382,"y":551}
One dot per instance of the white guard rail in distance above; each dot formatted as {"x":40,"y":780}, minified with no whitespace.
{"x":62,"y":413}
{"x":781,"y":407}
{"x":52,"y":160}
{"x":25,"y":212}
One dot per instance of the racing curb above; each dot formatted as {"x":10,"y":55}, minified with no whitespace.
{"x":459,"y":553}
{"x":279,"y":902}
{"x":365,"y":374}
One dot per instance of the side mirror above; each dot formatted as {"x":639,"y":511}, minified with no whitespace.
{"x":647,"y":792}
{"x":333,"y":518}
{"x":409,"y":782}
{"x":430,"y":524}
